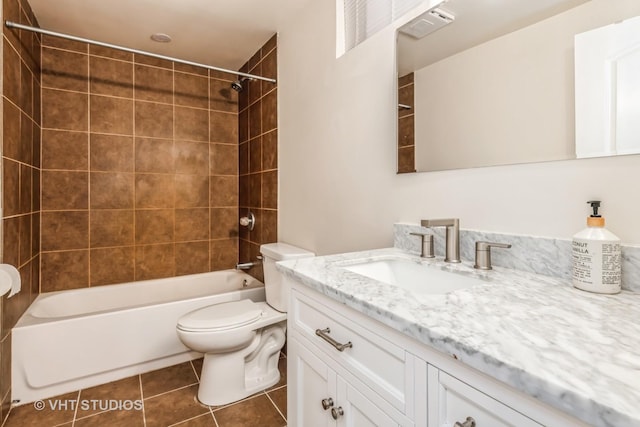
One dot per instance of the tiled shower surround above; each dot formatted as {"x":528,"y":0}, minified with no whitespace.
{"x":139,"y":167}
{"x":406,"y":126}
{"x":119,"y":168}
{"x":258,"y":155}
{"x":20,"y":173}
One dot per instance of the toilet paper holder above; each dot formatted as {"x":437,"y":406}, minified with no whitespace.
{"x":9,"y":280}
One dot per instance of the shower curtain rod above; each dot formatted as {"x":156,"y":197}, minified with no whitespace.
{"x":11,"y":24}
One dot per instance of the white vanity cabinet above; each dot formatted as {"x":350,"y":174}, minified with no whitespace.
{"x":452,"y":401}
{"x":321,"y":397}
{"x":384,"y":378}
{"x":366,"y":384}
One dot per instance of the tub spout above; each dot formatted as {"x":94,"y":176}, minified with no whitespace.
{"x":249,"y":265}
{"x":245,"y":265}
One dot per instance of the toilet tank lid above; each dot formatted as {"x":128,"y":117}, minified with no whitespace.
{"x":282,"y":251}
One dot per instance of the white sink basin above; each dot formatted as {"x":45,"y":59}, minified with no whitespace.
{"x":412,"y":276}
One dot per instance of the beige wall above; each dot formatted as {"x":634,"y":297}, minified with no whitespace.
{"x":514,"y":93}
{"x":339,"y":190}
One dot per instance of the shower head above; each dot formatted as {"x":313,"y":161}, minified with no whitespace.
{"x":237,"y":85}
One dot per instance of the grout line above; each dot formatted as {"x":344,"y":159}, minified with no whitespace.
{"x":100,"y":412}
{"x":132,"y":61}
{"x":133,"y":141}
{"x":405,"y":86}
{"x":144,"y":415}
{"x":171,"y":391}
{"x":173,"y":151}
{"x":214,"y":418}
{"x":20,"y":110}
{"x":253,"y":396}
{"x":190,"y":419}
{"x":75,"y":412}
{"x":84,"y":92}
{"x":4,"y":37}
{"x":40,"y":198}
{"x":89,"y":170}
{"x":134,"y":98}
{"x":6,"y":396}
{"x":275,"y":406}
{"x":209,"y":198}
{"x":194,"y":368}
{"x":275,"y":389}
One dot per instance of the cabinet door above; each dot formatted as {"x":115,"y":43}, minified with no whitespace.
{"x":451,"y":401}
{"x":310,"y":381}
{"x":358,"y":411}
{"x":379,"y":363}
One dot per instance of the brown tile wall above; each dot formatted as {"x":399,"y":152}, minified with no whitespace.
{"x":258,"y":154}
{"x":139,"y":168}
{"x":406,"y":132}
{"x":20,"y":173}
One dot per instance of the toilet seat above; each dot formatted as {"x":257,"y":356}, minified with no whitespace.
{"x":220,"y":317}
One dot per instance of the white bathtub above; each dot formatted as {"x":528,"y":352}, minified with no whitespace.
{"x":76,"y":339}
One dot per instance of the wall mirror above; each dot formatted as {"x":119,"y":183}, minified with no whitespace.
{"x":492,"y":82}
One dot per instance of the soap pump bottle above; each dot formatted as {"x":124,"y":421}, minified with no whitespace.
{"x":596,"y":256}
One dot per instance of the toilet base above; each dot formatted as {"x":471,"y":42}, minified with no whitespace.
{"x":230,"y":377}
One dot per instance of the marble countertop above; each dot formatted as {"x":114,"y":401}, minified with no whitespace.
{"x":571,"y":349}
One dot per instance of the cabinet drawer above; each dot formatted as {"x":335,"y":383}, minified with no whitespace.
{"x":454,"y":401}
{"x":374,"y":360}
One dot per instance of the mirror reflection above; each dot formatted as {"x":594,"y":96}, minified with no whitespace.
{"x":607,"y":70}
{"x":495,"y":86}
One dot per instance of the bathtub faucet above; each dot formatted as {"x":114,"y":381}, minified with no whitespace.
{"x":249,"y":265}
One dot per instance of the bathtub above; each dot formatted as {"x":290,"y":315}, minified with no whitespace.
{"x":76,"y":339}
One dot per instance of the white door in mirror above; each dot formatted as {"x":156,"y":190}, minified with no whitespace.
{"x":607,"y":66}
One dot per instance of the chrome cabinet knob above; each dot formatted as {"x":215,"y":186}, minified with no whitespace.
{"x":337,"y":412}
{"x":469,"y":422}
{"x":327,"y":403}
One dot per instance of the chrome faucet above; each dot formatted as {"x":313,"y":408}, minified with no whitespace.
{"x":483,"y":254}
{"x":452,"y":248}
{"x":426,"y":250}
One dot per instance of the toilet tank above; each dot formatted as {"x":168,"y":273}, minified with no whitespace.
{"x":274,"y":285}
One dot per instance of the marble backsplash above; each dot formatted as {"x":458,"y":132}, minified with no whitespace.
{"x":540,"y":255}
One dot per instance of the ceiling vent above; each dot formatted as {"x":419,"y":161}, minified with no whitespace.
{"x":161,"y":37}
{"x":427,"y":23}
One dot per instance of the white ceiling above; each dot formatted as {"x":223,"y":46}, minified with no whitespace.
{"x":222,"y":33}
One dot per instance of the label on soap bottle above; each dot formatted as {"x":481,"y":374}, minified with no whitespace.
{"x":596,"y":265}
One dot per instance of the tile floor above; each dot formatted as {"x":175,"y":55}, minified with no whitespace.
{"x":169,"y":399}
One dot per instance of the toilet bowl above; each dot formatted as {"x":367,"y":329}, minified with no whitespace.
{"x":241,"y":340}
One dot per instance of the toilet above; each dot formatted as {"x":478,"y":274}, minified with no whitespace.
{"x":241,"y":340}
